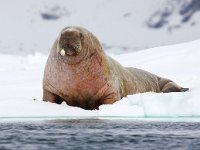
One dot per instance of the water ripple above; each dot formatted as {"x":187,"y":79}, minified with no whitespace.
{"x":99,"y":134}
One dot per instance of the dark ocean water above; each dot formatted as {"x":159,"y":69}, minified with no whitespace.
{"x":99,"y":134}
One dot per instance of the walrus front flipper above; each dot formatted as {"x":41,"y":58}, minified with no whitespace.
{"x":50,"y":97}
{"x":167,"y":86}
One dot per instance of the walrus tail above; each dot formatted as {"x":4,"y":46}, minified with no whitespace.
{"x":167,"y":86}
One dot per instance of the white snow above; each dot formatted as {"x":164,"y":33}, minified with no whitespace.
{"x":121,"y":26}
{"x":21,"y":87}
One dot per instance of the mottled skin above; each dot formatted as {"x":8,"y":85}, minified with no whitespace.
{"x":83,"y":75}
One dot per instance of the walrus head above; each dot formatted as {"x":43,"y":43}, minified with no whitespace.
{"x":75,"y":44}
{"x":70,"y":42}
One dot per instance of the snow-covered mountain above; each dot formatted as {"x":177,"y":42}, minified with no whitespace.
{"x":28,"y":26}
{"x":174,"y":14}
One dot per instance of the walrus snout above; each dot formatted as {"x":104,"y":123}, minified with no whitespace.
{"x":70,"y":42}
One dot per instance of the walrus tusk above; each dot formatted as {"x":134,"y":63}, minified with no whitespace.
{"x":62,"y":52}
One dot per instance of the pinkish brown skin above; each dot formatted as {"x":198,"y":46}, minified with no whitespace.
{"x":86,"y":77}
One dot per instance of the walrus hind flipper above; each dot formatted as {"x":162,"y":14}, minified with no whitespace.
{"x":184,"y":89}
{"x":173,"y":87}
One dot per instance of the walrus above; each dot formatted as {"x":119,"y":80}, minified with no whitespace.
{"x":79,"y":72}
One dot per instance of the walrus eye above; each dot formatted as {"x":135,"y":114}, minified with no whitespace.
{"x":81,"y":35}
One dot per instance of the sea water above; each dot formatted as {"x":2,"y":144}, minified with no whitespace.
{"x":87,"y":134}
